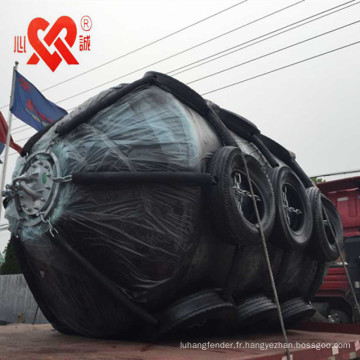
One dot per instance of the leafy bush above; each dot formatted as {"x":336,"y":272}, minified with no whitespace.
{"x":11,"y":265}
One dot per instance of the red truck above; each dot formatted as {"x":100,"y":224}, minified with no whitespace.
{"x":334,"y":299}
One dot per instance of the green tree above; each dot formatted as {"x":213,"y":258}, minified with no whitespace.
{"x":11,"y":264}
{"x":317,"y":180}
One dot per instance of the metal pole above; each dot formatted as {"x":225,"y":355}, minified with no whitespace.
{"x":338,"y":173}
{"x":3,"y":178}
{"x":36,"y":312}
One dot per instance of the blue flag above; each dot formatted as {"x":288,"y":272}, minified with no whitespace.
{"x":31,"y":106}
{"x":2,"y":146}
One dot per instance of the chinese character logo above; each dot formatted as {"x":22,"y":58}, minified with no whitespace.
{"x":84,"y":43}
{"x":20,"y":44}
{"x":54,"y":38}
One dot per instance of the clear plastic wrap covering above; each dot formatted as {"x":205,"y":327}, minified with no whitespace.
{"x":94,"y":245}
{"x":139,"y":236}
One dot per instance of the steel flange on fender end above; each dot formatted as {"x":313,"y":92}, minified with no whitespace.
{"x":35,"y":189}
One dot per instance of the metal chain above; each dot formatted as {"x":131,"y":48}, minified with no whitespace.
{"x":268,"y":262}
{"x":242,"y":192}
{"x":51,"y":228}
{"x":18,"y":227}
{"x":293,"y":210}
{"x":54,"y":140}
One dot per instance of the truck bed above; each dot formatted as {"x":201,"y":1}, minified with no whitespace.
{"x":38,"y":342}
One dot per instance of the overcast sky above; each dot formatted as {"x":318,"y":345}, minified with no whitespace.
{"x":311,"y":108}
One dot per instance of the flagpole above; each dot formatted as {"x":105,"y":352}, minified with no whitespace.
{"x":3,"y":178}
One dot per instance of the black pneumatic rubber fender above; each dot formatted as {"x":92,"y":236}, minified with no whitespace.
{"x":308,"y":271}
{"x":31,"y":281}
{"x":327,"y":229}
{"x":318,"y":279}
{"x":294,"y":220}
{"x":230,"y":202}
{"x":289,"y":273}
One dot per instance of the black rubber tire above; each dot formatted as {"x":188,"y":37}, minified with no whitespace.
{"x":235,"y":220}
{"x":183,"y":92}
{"x":288,"y":158}
{"x":245,"y":129}
{"x":292,"y":230}
{"x":237,"y":123}
{"x":277,"y":149}
{"x":189,"y":312}
{"x":296,"y":310}
{"x":289,"y":274}
{"x":341,"y":316}
{"x":254,"y":310}
{"x":308,"y":274}
{"x":322,"y":246}
{"x":321,"y":271}
{"x":292,"y":163}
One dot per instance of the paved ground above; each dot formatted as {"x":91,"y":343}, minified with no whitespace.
{"x":41,"y":342}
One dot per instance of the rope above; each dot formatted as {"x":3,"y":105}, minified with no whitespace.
{"x":268,"y":263}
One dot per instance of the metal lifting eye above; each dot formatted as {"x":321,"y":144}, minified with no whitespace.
{"x":237,"y":180}
{"x":34,"y":194}
{"x":52,"y":230}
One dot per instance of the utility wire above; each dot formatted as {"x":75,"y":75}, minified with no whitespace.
{"x":205,"y":57}
{"x":243,"y":63}
{"x":281,"y":68}
{"x":26,"y":127}
{"x":18,"y":127}
{"x":273,"y":52}
{"x":231,"y":48}
{"x":337,"y":173}
{"x":185,"y":50}
{"x":26,"y":138}
{"x":14,"y":153}
{"x":271,"y":71}
{"x":252,"y":42}
{"x":144,"y":46}
{"x":274,"y":31}
{"x":149,"y":44}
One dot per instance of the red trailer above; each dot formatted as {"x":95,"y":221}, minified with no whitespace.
{"x":313,"y":342}
{"x":334,"y":299}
